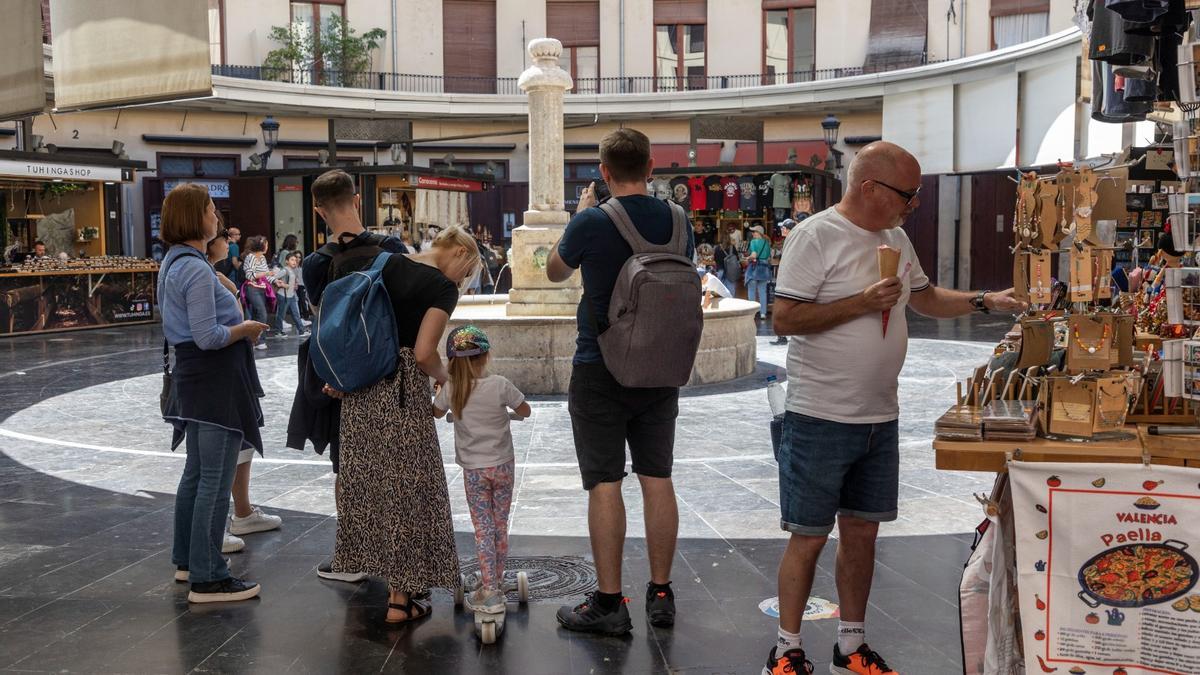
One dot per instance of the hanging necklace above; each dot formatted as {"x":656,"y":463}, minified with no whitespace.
{"x":1092,"y":348}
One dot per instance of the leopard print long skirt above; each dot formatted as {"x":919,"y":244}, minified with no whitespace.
{"x":394,"y":517}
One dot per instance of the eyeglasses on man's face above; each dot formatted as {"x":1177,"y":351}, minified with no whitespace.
{"x":908,"y":196}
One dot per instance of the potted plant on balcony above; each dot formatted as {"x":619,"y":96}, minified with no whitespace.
{"x":337,"y":56}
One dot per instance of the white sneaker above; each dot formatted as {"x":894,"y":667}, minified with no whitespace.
{"x":232,"y":544}
{"x":325,"y":571}
{"x":257,"y":521}
{"x":306,"y":322}
{"x":260,"y":346}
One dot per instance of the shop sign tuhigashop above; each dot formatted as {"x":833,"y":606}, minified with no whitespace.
{"x":48,"y":170}
{"x":1107,"y":569}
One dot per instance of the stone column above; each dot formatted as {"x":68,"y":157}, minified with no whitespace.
{"x":533,"y":294}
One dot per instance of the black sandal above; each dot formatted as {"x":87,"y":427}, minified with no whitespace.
{"x":415,"y":610}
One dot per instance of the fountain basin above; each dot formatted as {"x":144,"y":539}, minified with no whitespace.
{"x":535,"y":352}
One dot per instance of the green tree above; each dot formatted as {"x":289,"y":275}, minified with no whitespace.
{"x":336,"y":58}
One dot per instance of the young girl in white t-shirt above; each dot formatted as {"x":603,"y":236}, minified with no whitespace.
{"x":483,"y":447}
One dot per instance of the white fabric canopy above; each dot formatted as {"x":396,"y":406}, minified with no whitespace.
{"x":120,"y":52}
{"x":22,"y":76}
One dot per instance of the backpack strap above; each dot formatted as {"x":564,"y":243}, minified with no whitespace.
{"x":620,"y":217}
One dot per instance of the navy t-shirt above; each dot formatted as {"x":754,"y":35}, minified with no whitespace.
{"x":592,"y":243}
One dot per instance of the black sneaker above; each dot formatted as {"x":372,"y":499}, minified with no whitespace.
{"x":861,"y":661}
{"x":587,"y":617}
{"x":325,"y":571}
{"x":660,"y":605}
{"x":792,"y":662}
{"x":779,"y":341}
{"x":225,"y":590}
{"x":181,"y":572}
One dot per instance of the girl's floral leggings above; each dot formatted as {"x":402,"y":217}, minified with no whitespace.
{"x":489,"y":494}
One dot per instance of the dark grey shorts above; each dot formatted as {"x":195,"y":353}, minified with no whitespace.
{"x":605,"y":416}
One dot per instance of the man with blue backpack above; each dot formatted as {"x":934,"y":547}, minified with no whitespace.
{"x":315,"y":415}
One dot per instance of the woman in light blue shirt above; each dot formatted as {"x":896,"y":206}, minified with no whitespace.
{"x":213,"y":398}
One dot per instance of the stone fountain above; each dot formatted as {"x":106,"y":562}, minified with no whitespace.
{"x":533,"y":329}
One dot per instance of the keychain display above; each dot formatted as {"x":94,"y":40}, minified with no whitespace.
{"x":1082,"y":274}
{"x":1041,"y":284}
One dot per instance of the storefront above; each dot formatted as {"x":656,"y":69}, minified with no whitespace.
{"x":74,"y":210}
{"x":213,"y":171}
{"x":410,"y":202}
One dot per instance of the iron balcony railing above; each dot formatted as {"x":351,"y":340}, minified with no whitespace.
{"x":439,"y":84}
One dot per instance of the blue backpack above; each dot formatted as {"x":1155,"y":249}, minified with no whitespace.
{"x":354,"y":333}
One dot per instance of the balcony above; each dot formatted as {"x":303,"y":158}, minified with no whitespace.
{"x":507,"y":86}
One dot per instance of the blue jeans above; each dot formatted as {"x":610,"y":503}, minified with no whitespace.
{"x":202,"y":501}
{"x":258,"y":305}
{"x":284,"y":306}
{"x":757,"y":290}
{"x":828,"y":468}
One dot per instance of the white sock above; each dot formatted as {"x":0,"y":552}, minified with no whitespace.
{"x":851,"y":636}
{"x":787,"y":641}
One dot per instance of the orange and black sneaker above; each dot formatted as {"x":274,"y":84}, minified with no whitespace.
{"x":792,"y":662}
{"x":862,"y":661}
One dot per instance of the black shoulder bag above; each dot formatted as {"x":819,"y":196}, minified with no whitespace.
{"x":165,"y":395}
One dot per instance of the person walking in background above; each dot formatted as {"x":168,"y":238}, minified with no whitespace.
{"x":254,"y":289}
{"x":606,"y":415}
{"x":235,"y":256}
{"x":212,"y":402}
{"x":839,"y":459}
{"x":290,"y":245}
{"x":758,"y":269}
{"x":483,"y":447}
{"x":287,"y":284}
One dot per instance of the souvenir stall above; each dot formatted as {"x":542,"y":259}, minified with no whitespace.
{"x":417,"y":206}
{"x":1097,"y":373}
{"x":71,"y":207}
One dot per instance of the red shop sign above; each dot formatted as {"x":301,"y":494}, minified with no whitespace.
{"x":442,"y":183}
{"x":289,"y":188}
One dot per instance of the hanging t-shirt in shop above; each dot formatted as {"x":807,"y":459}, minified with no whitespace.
{"x":716,"y":192}
{"x":729,"y":185}
{"x":698,"y":193}
{"x":781,"y":188}
{"x":660,"y":188}
{"x":748,"y":193}
{"x":1140,"y":11}
{"x":765,"y":193}
{"x":1111,"y":40}
{"x":679,"y":192}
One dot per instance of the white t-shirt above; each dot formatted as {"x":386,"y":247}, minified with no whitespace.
{"x":849,"y":373}
{"x":482,"y":438}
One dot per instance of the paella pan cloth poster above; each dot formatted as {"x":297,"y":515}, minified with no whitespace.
{"x":1107,"y":567}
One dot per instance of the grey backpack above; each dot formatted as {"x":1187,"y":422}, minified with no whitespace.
{"x":654,"y":318}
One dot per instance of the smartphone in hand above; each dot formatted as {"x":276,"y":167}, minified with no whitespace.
{"x":602,"y":191}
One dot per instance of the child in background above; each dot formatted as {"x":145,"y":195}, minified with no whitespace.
{"x":483,"y":447}
{"x":287,"y":280}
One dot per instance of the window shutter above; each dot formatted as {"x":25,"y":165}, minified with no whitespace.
{"x":575,"y":24}
{"x":897,"y":38}
{"x":680,"y":11}
{"x":469,"y":45}
{"x":1010,"y":7}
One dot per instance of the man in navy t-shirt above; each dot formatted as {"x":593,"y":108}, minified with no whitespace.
{"x":605,"y":415}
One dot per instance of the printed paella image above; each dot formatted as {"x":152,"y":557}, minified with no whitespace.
{"x":1138,"y":575}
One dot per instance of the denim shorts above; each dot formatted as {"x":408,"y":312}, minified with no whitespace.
{"x":829,"y":468}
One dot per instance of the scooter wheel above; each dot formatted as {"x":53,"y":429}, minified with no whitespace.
{"x":460,"y":593}
{"x":523,"y":587}
{"x":487,"y":633}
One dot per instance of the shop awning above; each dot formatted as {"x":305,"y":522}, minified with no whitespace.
{"x":898,"y":35}
{"x":120,"y":52}
{"x":22,"y":76}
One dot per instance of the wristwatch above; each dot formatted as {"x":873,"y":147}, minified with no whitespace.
{"x":977,"y":303}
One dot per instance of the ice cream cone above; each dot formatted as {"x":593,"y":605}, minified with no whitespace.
{"x":889,"y":264}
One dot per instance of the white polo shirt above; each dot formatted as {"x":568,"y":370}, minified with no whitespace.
{"x":849,"y":373}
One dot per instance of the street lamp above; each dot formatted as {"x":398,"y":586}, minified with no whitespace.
{"x":270,"y":132}
{"x":830,"y":126}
